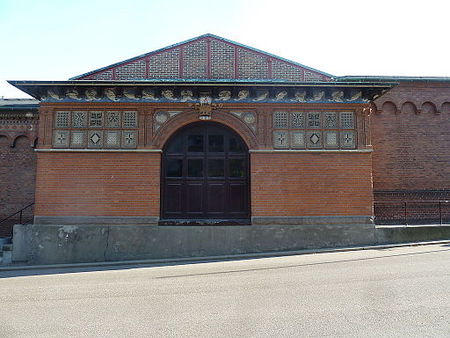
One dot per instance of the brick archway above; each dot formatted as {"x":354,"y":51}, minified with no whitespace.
{"x":173,"y":125}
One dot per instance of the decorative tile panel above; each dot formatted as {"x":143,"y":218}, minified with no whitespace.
{"x":314,"y":139}
{"x":280,"y":139}
{"x":95,"y":139}
{"x":60,"y":139}
{"x":315,"y":130}
{"x":112,"y":139}
{"x":330,"y":120}
{"x":313,"y":120}
{"x":129,"y":139}
{"x":297,"y":120}
{"x":62,"y":119}
{"x":297,"y":139}
{"x":348,"y":139}
{"x":78,"y":139}
{"x":129,"y":119}
{"x":79,"y":119}
{"x":331,"y":139}
{"x":347,"y":120}
{"x":281,"y":120}
{"x":95,"y":119}
{"x":113,"y":119}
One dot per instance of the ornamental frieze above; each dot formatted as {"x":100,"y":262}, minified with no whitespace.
{"x":251,"y":94}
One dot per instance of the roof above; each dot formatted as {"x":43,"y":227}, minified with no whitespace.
{"x":190,"y":41}
{"x":19,"y":104}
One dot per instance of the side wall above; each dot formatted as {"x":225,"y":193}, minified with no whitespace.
{"x":411,"y":137}
{"x":97,"y":184}
{"x":305,"y":184}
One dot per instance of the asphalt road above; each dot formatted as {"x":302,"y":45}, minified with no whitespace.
{"x":371,"y":293}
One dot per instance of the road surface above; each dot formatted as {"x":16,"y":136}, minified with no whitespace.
{"x":398,"y":292}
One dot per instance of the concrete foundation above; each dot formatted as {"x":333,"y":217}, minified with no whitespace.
{"x":52,"y":244}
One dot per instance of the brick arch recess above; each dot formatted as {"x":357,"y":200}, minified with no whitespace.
{"x":173,"y":125}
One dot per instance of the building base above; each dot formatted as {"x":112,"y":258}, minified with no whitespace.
{"x":52,"y":244}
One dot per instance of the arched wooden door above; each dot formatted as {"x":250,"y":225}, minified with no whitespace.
{"x":205,"y":174}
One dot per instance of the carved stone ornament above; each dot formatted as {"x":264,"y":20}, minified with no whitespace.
{"x":262,"y":95}
{"x":337,"y":95}
{"x":300,"y":96}
{"x":205,"y":107}
{"x":110,"y":93}
{"x":187,"y":95}
{"x":319,"y":95}
{"x":91,"y":94}
{"x":243,"y":94}
{"x":224,"y":95}
{"x":73,"y":94}
{"x":281,"y":95}
{"x":53,"y":94}
{"x":148,"y":94}
{"x":130,"y":93}
{"x":168,"y":94}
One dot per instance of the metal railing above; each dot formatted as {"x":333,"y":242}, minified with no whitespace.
{"x":23,"y":216}
{"x":412,"y":212}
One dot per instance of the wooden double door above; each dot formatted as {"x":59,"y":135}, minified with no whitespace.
{"x":205,"y":174}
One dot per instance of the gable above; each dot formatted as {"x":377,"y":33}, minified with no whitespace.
{"x":207,"y":57}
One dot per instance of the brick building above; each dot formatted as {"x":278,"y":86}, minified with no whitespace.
{"x":214,"y":133}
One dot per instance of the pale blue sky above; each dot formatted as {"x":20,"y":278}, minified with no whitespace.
{"x":58,"y":39}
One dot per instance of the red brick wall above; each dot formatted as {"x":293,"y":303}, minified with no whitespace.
{"x":97,"y":184}
{"x":303,"y":184}
{"x":17,"y":174}
{"x":411,"y":137}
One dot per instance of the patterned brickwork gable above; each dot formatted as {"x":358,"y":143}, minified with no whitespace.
{"x":207,"y":57}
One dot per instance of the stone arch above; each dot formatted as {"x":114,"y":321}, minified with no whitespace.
{"x":185,"y":118}
{"x":429,"y":107}
{"x":445,"y":107}
{"x":8,"y":138}
{"x":19,"y":138}
{"x":389,"y":107}
{"x":409,"y":108}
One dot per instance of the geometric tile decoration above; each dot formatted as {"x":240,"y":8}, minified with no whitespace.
{"x":129,"y":119}
{"x":62,"y":119}
{"x":129,"y":139}
{"x":281,"y":120}
{"x":331,"y":139}
{"x":113,"y":119}
{"x":77,"y":139}
{"x":108,"y":127}
{"x":314,"y":130}
{"x":79,"y":119}
{"x":297,"y":120}
{"x":314,"y":139}
{"x":347,"y":121}
{"x":95,"y":119}
{"x":95,"y":139}
{"x":330,"y":120}
{"x":112,"y":139}
{"x":313,"y":120}
{"x":348,"y":139}
{"x":297,"y":139}
{"x":61,"y":138}
{"x":280,"y":139}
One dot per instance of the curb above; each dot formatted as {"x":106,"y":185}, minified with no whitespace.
{"x":188,"y":260}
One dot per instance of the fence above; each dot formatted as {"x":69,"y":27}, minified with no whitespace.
{"x":412,"y":212}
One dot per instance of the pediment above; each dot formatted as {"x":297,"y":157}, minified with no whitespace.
{"x":207,"y":57}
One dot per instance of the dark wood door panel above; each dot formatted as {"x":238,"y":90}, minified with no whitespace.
{"x":205,"y":174}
